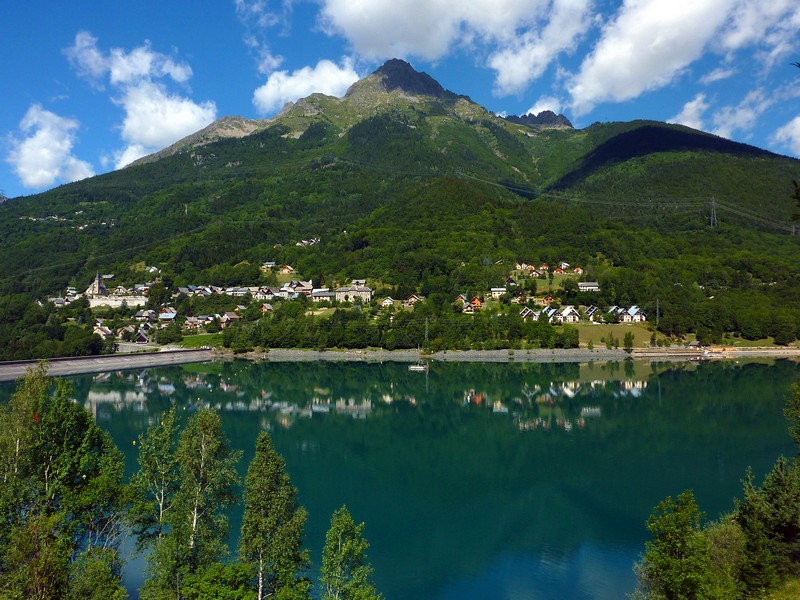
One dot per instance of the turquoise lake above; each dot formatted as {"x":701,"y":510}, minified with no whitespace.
{"x":480,"y":480}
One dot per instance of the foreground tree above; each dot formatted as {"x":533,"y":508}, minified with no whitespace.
{"x":272,"y":527}
{"x":154,"y":485}
{"x":196,"y":525}
{"x":675,"y":562}
{"x":60,"y":499}
{"x":345,"y":571}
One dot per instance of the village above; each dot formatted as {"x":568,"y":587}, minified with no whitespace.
{"x":103,"y":295}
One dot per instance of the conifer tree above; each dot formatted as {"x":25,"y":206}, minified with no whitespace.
{"x":346,"y":571}
{"x":272,"y":526}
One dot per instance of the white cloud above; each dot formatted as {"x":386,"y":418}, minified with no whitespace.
{"x":717,"y":75}
{"x":692,"y":113}
{"x":527,"y":58}
{"x":647,"y":46}
{"x":142,"y":63}
{"x":154,"y":116}
{"x":44,"y":156}
{"x":282,"y":87}
{"x":122,"y":67}
{"x":155,"y":119}
{"x":128,"y":154}
{"x":85,"y":58}
{"x":520,"y":37}
{"x":257,"y":17}
{"x":545,"y":103}
{"x":752,"y":21}
{"x":743,"y":116}
{"x":789,"y":136}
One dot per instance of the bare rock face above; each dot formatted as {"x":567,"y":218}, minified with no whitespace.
{"x":224,"y":128}
{"x":546,"y":119}
{"x":397,"y":77}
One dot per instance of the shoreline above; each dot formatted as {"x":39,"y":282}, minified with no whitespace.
{"x":12,"y":370}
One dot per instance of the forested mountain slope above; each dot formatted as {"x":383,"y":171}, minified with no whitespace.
{"x":416,"y":186}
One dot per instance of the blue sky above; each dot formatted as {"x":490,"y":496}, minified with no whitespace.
{"x":89,"y":86}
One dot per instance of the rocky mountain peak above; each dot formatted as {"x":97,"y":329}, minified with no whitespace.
{"x":397,"y":75}
{"x":546,"y":119}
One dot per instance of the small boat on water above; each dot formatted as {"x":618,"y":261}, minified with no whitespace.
{"x":418,"y":367}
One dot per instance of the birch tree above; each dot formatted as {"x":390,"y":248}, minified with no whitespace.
{"x":272,"y":526}
{"x":346,"y":571}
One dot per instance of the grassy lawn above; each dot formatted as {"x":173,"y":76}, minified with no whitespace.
{"x":790,"y":591}
{"x":737,"y":342}
{"x":202,"y":339}
{"x":591,"y":331}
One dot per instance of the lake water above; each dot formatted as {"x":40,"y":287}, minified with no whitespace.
{"x":480,"y":481}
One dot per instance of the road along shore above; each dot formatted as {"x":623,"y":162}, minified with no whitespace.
{"x":12,"y":370}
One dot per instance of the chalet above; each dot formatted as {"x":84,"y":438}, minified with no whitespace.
{"x":227,"y":318}
{"x":559,"y":271}
{"x":127,"y":330}
{"x":548,"y":314}
{"x":322,"y":295}
{"x":528,"y":313}
{"x":588,"y":286}
{"x":496,"y":292}
{"x":388,"y":302}
{"x":637,"y":314}
{"x":568,"y":314}
{"x":237,"y":292}
{"x":265,"y":308}
{"x":476,"y":303}
{"x":634,"y":314}
{"x":352,"y":292}
{"x":167,"y":315}
{"x":103,"y":331}
{"x":145,"y":315}
{"x":192,"y":323}
{"x":591,"y":311}
{"x":511,"y":282}
{"x":267,"y":265}
{"x":142,"y":337}
{"x":548,"y":300}
{"x":412,"y":300}
{"x":578,"y":270}
{"x":287,"y":270}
